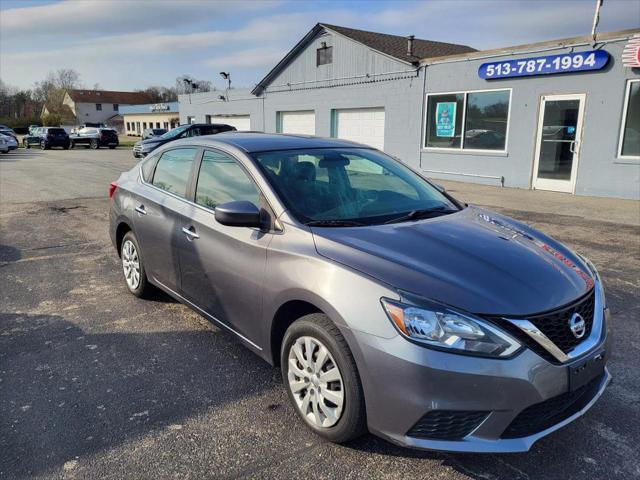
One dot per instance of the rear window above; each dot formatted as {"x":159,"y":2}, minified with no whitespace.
{"x":56,"y":130}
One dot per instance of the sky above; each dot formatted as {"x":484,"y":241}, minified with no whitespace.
{"x":131,"y":44}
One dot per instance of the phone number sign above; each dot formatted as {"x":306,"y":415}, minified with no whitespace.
{"x":549,"y":64}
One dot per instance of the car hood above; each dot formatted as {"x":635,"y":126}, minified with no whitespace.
{"x":475,"y":260}
{"x":151,"y":142}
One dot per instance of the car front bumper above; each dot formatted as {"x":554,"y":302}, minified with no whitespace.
{"x":405,"y":383}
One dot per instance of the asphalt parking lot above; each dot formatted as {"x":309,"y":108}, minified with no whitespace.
{"x":95,"y":383}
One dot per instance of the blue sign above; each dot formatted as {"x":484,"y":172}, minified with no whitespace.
{"x":564,"y":63}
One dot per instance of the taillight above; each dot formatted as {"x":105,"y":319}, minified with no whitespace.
{"x":112,"y":189}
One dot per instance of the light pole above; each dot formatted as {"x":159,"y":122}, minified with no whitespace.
{"x":227,"y":76}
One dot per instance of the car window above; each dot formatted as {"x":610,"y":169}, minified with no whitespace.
{"x":172,"y":171}
{"x":348,"y":184}
{"x":222,"y":179}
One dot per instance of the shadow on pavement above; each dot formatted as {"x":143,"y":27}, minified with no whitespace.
{"x":68,"y":394}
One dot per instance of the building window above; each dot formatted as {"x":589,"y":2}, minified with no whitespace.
{"x":138,"y":127}
{"x":468,"y":120}
{"x":157,"y":124}
{"x":128,"y":126}
{"x":115,"y":107}
{"x":144,"y":125}
{"x":630,"y":132}
{"x":166,"y":125}
{"x":191,"y":120}
{"x":98,"y":106}
{"x":324,"y":55}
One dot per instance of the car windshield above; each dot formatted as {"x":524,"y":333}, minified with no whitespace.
{"x":175,"y":132}
{"x":349,"y":186}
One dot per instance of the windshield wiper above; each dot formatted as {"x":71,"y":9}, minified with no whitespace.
{"x":335,"y":223}
{"x":422,"y":213}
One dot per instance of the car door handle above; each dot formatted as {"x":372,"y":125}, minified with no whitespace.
{"x":141,"y":210}
{"x":190,"y":233}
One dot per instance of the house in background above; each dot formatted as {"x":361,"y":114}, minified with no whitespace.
{"x":81,"y":107}
{"x":137,"y":118}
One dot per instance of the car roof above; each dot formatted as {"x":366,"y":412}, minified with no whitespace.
{"x":262,"y":142}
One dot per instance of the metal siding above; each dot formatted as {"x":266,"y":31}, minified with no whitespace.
{"x":349,"y":59}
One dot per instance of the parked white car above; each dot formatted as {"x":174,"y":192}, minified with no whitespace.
{"x":7,"y":142}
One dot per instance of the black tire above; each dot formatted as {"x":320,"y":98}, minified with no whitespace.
{"x":352,"y":422}
{"x":71,"y":144}
{"x":112,"y":147}
{"x":67,"y":146}
{"x":27,"y":145}
{"x":144,"y":288}
{"x":94,"y":144}
{"x":43,"y":145}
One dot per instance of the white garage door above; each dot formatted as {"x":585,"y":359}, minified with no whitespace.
{"x":363,"y":125}
{"x":241,"y":122}
{"x":302,"y":122}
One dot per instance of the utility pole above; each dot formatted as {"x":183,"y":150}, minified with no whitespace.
{"x":596,"y":19}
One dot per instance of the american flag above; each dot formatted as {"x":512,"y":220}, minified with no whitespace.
{"x":631,"y":52}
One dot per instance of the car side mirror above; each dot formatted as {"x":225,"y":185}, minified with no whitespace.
{"x":238,"y":214}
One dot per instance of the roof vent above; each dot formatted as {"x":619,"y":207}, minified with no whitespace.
{"x":410,"y":39}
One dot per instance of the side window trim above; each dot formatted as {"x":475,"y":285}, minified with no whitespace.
{"x":193,"y":176}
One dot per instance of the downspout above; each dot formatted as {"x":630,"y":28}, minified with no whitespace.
{"x":423,"y":100}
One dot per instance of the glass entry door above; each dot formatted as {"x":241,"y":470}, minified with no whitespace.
{"x":558,"y":142}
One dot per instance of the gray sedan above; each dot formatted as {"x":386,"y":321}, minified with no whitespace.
{"x":389,"y":306}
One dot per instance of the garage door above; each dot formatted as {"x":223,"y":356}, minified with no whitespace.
{"x":363,"y":125}
{"x":302,"y":122}
{"x":241,"y":122}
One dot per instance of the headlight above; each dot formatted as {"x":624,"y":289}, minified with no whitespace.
{"x":438,"y":326}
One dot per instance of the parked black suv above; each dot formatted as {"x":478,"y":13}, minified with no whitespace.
{"x":94,"y":138}
{"x":54,"y":137}
{"x":144,"y":147}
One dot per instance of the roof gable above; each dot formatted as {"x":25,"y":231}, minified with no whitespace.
{"x":390,"y":46}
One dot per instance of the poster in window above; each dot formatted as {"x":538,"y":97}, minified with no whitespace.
{"x":446,"y":119}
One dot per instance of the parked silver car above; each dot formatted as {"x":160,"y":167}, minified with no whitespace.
{"x":388,"y":305}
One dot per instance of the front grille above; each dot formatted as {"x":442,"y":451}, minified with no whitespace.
{"x":543,"y":415}
{"x":447,"y":424}
{"x":555,"y":325}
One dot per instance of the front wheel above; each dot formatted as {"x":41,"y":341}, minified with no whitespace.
{"x":94,"y":144}
{"x":322,"y":379}
{"x":71,"y":144}
{"x":132,"y":267}
{"x":43,"y":145}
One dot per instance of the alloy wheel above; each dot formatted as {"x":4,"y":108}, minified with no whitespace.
{"x":315,"y":382}
{"x":131,"y":264}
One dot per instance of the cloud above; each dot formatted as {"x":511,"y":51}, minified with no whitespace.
{"x":250,"y":58}
{"x":108,"y":17}
{"x":125,"y":44}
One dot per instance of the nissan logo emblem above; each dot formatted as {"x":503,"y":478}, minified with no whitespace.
{"x":577,"y":325}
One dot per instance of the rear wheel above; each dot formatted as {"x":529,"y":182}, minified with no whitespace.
{"x":322,"y":379}
{"x":132,"y":267}
{"x":71,"y":144}
{"x":111,"y":147}
{"x":94,"y":144}
{"x":43,"y":145}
